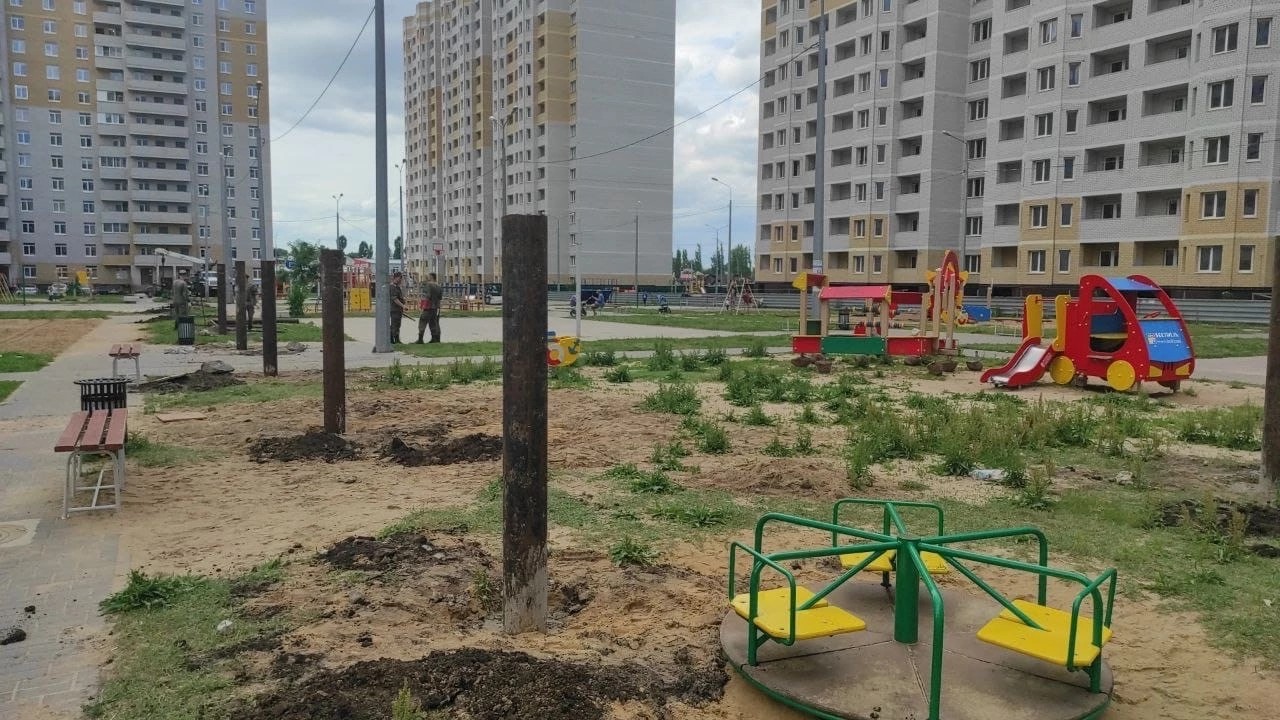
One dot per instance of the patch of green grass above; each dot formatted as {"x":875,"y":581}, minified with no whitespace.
{"x":777,"y":448}
{"x":438,"y":377}
{"x":632,"y":552}
{"x":7,"y":387}
{"x":562,"y":378}
{"x":676,"y":399}
{"x":712,"y":438}
{"x":17,"y":362}
{"x":254,"y":392}
{"x":600,"y":358}
{"x":653,"y":483}
{"x":482,"y":349}
{"x":142,"y":451}
{"x":1237,"y":428}
{"x":668,"y":457}
{"x":757,"y":417}
{"x":693,"y":514}
{"x":170,"y":662}
{"x":55,"y":315}
{"x":757,"y":348}
{"x":163,"y":332}
{"x":620,"y":374}
{"x":663,"y":357}
{"x":764,"y":321}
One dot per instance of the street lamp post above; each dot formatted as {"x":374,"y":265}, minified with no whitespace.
{"x":502,"y":136}
{"x":382,"y":249}
{"x":725,"y":258}
{"x":400,"y":172}
{"x":337,"y":220}
{"x":637,"y":255}
{"x":964,"y":197}
{"x":729,"y":255}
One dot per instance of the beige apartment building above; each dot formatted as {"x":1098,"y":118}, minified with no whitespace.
{"x":1043,"y":139}
{"x":131,"y":126}
{"x":515,"y":106}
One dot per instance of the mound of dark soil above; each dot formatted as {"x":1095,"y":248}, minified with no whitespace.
{"x":365,"y":553}
{"x":469,"y":448}
{"x":198,"y":381}
{"x":1260,"y":520}
{"x":485,"y":685}
{"x":314,"y":445}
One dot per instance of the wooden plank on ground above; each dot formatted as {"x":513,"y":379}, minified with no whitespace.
{"x":179,"y":417}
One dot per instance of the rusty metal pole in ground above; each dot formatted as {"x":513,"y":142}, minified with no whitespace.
{"x":270,"y":360}
{"x":222,"y":298}
{"x":1271,"y":405}
{"x":242,"y":322}
{"x":524,"y":423}
{"x":335,"y":362}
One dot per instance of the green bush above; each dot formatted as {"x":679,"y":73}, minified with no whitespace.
{"x":620,"y":374}
{"x":146,"y":592}
{"x":690,"y":362}
{"x":597,"y":358}
{"x":297,"y":300}
{"x":653,"y":483}
{"x":663,"y":357}
{"x":1237,"y":428}
{"x":713,"y":439}
{"x":675,"y":399}
{"x":632,"y":552}
{"x":757,"y":417}
{"x":804,"y":443}
{"x":756,"y":349}
{"x":777,"y":448}
{"x":715,"y":357}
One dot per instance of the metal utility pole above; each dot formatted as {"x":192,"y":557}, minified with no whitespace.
{"x":266,"y":255}
{"x":637,"y":256}
{"x":337,"y":219}
{"x":334,"y":370}
{"x":242,"y":316}
{"x":524,"y":425}
{"x":558,"y":276}
{"x":225,"y":268}
{"x":820,"y":175}
{"x":729,"y":257}
{"x":400,"y":172}
{"x":577,"y":281}
{"x":964,"y":198}
{"x":502,"y":137}
{"x":382,"y":249}
{"x":720,"y":271}
{"x":1271,"y":404}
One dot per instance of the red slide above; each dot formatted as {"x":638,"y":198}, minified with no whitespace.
{"x":1026,"y":367}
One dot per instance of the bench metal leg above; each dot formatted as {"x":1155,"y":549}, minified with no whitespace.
{"x":115,"y":466}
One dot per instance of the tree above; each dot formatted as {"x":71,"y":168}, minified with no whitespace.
{"x":697,"y":258}
{"x":740,"y":261}
{"x":364,"y":250}
{"x":397,"y":251}
{"x":306,"y":264}
{"x":342,"y":243}
{"x":718,"y":262}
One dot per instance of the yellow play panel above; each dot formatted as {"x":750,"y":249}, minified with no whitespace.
{"x":773,"y":615}
{"x":883,"y":564}
{"x":1049,"y":644}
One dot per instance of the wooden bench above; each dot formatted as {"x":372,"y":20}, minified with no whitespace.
{"x":88,"y":434}
{"x":126,"y":351}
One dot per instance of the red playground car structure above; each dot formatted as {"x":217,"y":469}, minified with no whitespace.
{"x":1106,"y":332}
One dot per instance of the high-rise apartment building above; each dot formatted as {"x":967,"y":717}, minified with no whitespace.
{"x":1044,"y":138}
{"x":513,"y":105}
{"x":130,"y":126}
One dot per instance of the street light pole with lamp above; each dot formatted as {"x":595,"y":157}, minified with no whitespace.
{"x":964,"y":197}
{"x":337,"y":221}
{"x":637,"y":256}
{"x":720,"y":271}
{"x":400,"y":172}
{"x":502,"y":136}
{"x":729,"y":255}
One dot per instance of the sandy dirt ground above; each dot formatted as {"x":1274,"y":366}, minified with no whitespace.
{"x":224,"y":515}
{"x":48,"y":337}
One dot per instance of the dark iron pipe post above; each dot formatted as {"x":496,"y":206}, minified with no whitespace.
{"x":270,"y":363}
{"x":524,"y":423}
{"x":242,"y":320}
{"x":222,"y":298}
{"x":335,"y":370}
{"x":1271,"y":405}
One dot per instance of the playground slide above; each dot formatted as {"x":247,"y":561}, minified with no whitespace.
{"x":1024,"y":368}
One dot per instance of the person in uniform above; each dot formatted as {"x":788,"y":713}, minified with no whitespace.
{"x":397,"y":305}
{"x":181,"y":298}
{"x":250,"y":304}
{"x":429,"y":305}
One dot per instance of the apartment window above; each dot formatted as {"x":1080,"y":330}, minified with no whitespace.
{"x":90,"y":250}
{"x":1046,"y":78}
{"x":1073,"y":74}
{"x":1039,"y":216}
{"x":1077,"y":25}
{"x":1066,"y":214}
{"x":60,"y":228}
{"x":29,"y":227}
{"x":1049,"y":31}
{"x":1044,"y":124}
{"x":975,"y":187}
{"x":29,"y":249}
{"x":1225,"y":38}
{"x":1262,"y":32}
{"x":1069,"y":167}
{"x":1210,"y":258}
{"x":982,"y":30}
{"x":884,"y":77}
{"x":977,"y":109}
{"x":1064,"y":261}
{"x":1213,"y":205}
{"x":19,"y":69}
{"x":1042,"y":170}
{"x":1035,"y":261}
{"x":1250,"y":209}
{"x":1217,"y":150}
{"x":973,"y":226}
{"x":60,"y":249}
{"x":877,"y":264}
{"x":879,"y":190}
{"x":23,"y":137}
{"x":1246,"y":259}
{"x":1253,"y":148}
{"x":977,"y":148}
{"x":1220,"y":94}
{"x":58,"y":184}
{"x":1258,"y":89}
{"x":979,"y":69}
{"x":55,"y":139}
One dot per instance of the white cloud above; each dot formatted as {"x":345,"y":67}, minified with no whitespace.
{"x":717,"y":54}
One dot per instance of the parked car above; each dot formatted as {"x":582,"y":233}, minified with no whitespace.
{"x":30,"y":290}
{"x":57,"y":290}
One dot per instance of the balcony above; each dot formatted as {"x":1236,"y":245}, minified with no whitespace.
{"x":161,"y":174}
{"x":116,"y":260}
{"x":160,"y":196}
{"x":149,"y":129}
{"x":152,"y":108}
{"x":149,"y":63}
{"x":154,"y":41}
{"x":163,"y":218}
{"x":173,"y":88}
{"x":164,"y":153}
{"x":108,"y":18}
{"x":152,"y":19}
{"x":155,"y":239}
{"x":1164,"y":101}
{"x":1169,"y":48}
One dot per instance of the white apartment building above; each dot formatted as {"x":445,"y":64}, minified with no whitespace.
{"x":130,"y":126}
{"x":565,"y":82}
{"x":1043,"y":139}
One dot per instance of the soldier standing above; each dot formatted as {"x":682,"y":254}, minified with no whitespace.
{"x":397,"y":305}
{"x":432,"y":297}
{"x":181,"y":298}
{"x":251,"y":303}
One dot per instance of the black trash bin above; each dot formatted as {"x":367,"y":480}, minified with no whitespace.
{"x":186,"y":330}
{"x":104,"y":393}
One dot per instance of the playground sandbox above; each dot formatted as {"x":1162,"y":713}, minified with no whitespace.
{"x":390,"y":572}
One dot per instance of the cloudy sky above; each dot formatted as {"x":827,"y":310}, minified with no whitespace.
{"x":717,"y":54}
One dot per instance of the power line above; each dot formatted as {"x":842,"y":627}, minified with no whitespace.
{"x":332,"y":79}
